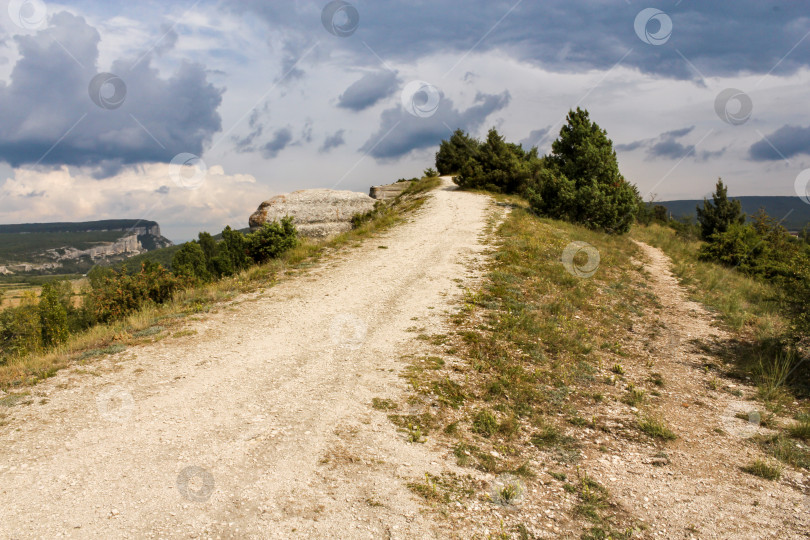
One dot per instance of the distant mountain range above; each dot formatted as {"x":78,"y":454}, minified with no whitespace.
{"x":792,"y":211}
{"x":66,"y":248}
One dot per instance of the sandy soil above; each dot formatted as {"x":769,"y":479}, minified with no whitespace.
{"x":261,"y":424}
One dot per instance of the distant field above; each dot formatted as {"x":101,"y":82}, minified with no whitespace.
{"x":794,"y":212}
{"x":13,"y":291}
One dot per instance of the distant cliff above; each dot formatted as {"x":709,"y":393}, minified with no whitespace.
{"x":49,"y":248}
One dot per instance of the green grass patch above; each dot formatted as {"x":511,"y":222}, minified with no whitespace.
{"x":656,"y":428}
{"x":763,"y":469}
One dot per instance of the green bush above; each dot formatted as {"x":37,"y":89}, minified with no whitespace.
{"x":53,"y":316}
{"x":499,"y":166}
{"x":117,"y":294}
{"x":272,"y":239}
{"x":430,"y":173}
{"x":190,"y":262}
{"x":455,"y":152}
{"x":20,"y":330}
{"x":739,"y":246}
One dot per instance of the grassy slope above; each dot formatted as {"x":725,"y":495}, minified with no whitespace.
{"x":158,"y":322}
{"x":531,"y":343}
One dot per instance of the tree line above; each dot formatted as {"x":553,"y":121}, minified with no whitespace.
{"x":579,"y":181}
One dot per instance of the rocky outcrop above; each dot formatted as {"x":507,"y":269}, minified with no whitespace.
{"x":388,"y":191}
{"x":126,"y":245}
{"x":317,"y":213}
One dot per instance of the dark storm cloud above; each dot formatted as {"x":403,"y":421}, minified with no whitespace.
{"x":281,"y":139}
{"x":536,"y":137}
{"x":667,"y":146}
{"x":368,"y":90}
{"x":47,"y":116}
{"x":568,"y":35}
{"x":785,"y":142}
{"x":333,"y":141}
{"x":401,"y":132}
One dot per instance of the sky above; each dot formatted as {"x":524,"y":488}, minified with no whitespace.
{"x":193,"y":113}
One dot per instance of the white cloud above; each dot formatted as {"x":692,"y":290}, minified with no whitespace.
{"x":146,"y":192}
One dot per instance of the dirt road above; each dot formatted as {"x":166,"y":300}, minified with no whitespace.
{"x":260,"y":424}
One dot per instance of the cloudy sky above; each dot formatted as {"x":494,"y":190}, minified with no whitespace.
{"x":192,"y":113}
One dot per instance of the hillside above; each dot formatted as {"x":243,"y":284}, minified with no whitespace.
{"x":794,"y":211}
{"x":58,"y":248}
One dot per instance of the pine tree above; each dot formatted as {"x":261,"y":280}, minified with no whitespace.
{"x":582,"y":182}
{"x":720,"y":213}
{"x":455,"y":152}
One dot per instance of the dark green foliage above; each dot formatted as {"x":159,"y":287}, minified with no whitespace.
{"x":581,"y":181}
{"x":430,"y":173}
{"x":499,"y":166}
{"x":455,"y":152}
{"x":272,"y":240}
{"x":739,"y":246}
{"x":764,"y":249}
{"x":660,"y":213}
{"x":232,"y":256}
{"x":118,"y":294}
{"x":190,"y":262}
{"x":720,"y":213}
{"x":53,"y":315}
{"x":207,"y":259}
{"x":20,"y":331}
